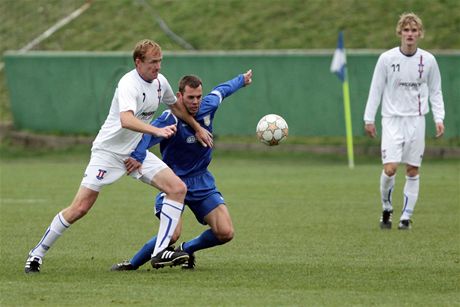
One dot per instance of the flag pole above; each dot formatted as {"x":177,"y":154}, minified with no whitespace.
{"x":349,"y":130}
{"x":339,"y":67}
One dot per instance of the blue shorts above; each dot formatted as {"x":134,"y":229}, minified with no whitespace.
{"x":202,"y":196}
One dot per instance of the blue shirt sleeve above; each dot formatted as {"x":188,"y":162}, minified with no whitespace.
{"x":148,"y":140}
{"x":227,"y":88}
{"x":213,"y":100}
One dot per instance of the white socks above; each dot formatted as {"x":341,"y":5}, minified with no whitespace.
{"x":169,"y":217}
{"x":54,"y":231}
{"x":386,"y":190}
{"x":411,"y":189}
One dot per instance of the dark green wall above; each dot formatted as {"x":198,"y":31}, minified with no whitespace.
{"x":71,"y":92}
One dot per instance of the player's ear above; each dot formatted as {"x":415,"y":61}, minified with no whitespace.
{"x":137,"y":62}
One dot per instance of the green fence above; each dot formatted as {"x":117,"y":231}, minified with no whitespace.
{"x":71,"y":92}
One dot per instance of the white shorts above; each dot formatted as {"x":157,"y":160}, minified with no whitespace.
{"x":105,"y":168}
{"x":403,"y":140}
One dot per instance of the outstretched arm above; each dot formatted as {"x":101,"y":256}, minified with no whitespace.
{"x":231,"y":86}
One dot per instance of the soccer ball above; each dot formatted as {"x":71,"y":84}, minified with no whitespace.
{"x":272,"y":129}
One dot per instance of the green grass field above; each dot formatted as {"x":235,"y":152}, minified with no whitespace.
{"x":306,"y":235}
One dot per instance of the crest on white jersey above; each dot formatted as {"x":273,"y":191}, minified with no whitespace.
{"x":207,"y":120}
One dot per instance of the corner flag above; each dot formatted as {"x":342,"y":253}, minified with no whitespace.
{"x":339,"y":60}
{"x":339,"y":67}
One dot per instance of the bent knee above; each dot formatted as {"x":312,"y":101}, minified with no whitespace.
{"x":178,"y":189}
{"x":226,"y":235}
{"x":181,"y":188}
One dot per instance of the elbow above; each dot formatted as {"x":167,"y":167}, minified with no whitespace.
{"x":124,"y":124}
{"x":124,"y":120}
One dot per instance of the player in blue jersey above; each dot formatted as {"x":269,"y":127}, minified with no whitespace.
{"x":189,"y":160}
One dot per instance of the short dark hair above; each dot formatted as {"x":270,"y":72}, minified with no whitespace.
{"x":189,"y":80}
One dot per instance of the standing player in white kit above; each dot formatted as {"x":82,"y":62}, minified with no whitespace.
{"x":135,"y":101}
{"x":404,"y":79}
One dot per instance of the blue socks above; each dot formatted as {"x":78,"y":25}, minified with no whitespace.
{"x":206,"y":240}
{"x":144,"y":254}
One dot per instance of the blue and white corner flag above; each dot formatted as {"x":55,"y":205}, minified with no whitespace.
{"x":339,"y":60}
{"x":339,"y":67}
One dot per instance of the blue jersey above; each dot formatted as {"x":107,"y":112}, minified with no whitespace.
{"x":182,"y":152}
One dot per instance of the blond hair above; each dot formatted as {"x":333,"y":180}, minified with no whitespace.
{"x":408,"y":18}
{"x":142,"y":47}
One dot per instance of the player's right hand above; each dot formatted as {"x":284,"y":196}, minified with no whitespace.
{"x":370,"y":130}
{"x":166,"y":132}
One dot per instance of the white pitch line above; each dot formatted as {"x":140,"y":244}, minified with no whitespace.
{"x":53,"y":29}
{"x":56,"y":27}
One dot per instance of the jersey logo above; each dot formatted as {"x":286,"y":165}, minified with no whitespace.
{"x":101,"y":174}
{"x":420,"y":67}
{"x":191,"y":139}
{"x":145,"y":115}
{"x":143,"y":99}
{"x":207,"y":120}
{"x":159,"y":91}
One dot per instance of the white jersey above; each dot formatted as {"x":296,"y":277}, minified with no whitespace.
{"x":404,"y":84}
{"x":132,"y":94}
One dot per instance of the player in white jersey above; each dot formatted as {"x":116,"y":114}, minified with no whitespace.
{"x":134,"y":103}
{"x":405,"y":79}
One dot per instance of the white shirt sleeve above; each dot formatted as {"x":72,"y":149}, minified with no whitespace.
{"x":376,"y":91}
{"x":126,"y":94}
{"x":168,"y":98}
{"x":435,"y":93}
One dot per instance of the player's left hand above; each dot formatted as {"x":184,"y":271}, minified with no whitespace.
{"x":247,"y":77}
{"x":439,"y":130}
{"x":132,"y":165}
{"x":370,"y":130}
{"x":205,"y":138}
